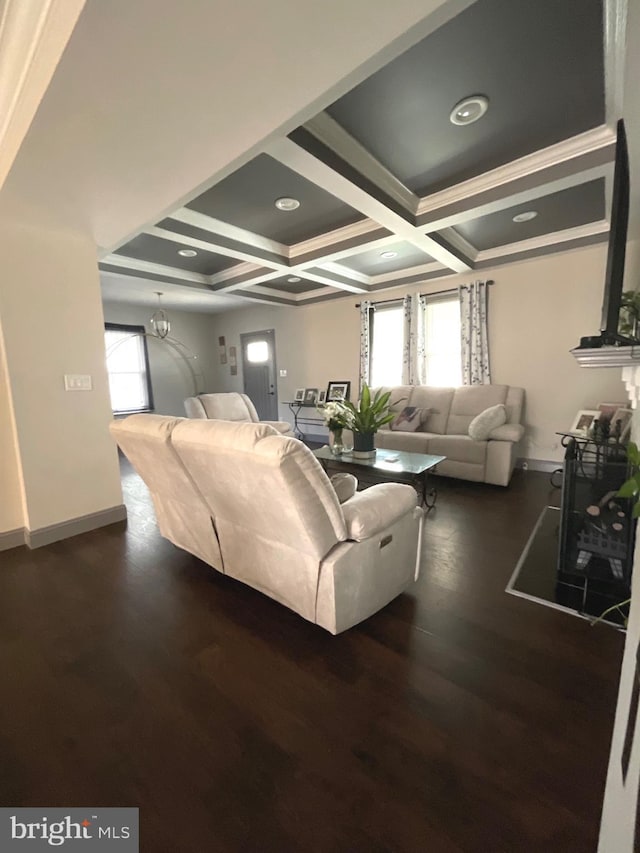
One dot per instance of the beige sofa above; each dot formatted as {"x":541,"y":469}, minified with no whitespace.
{"x":258,"y":506}
{"x":445,"y":432}
{"x":229,"y":406}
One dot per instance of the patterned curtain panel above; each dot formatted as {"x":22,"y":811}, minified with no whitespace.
{"x":414,"y":365}
{"x":365,"y":340}
{"x":474,"y":333}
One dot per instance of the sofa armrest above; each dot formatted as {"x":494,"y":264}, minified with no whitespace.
{"x":194,"y":408}
{"x":371,"y":511}
{"x":507,"y":432}
{"x":281,"y":426}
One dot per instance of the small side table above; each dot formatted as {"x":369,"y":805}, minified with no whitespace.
{"x":294,"y":407}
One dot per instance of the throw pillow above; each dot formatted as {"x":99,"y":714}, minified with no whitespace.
{"x":410,"y":419}
{"x":482,"y":424}
{"x":345,"y":486}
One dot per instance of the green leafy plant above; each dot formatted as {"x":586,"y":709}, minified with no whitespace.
{"x":629,"y":313}
{"x":371,"y":413}
{"x":631,"y":487}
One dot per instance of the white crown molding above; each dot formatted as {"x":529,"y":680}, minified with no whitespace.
{"x":572,"y":149}
{"x":158,"y":269}
{"x":213,"y":246}
{"x":615,"y":29}
{"x":33,"y":36}
{"x":422,"y":269}
{"x":231,"y":232}
{"x":327,"y":131}
{"x":458,"y":242}
{"x":535,"y":243}
{"x":345,"y":272}
{"x":335,"y":237}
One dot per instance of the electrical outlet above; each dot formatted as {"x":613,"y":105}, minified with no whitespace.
{"x":525,"y":466}
{"x":77,"y":382}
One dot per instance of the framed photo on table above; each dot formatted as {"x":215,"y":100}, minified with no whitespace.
{"x":310,"y":396}
{"x":338,"y":390}
{"x":299,"y":395}
{"x":583,"y":422}
{"x":608,"y":410}
{"x":322,"y":398}
{"x":623,"y":415}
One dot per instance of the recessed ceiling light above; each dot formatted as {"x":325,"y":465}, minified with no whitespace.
{"x":469,"y":109}
{"x":526,"y":216}
{"x":286,"y":203}
{"x":187,"y":253}
{"x":388,"y":254}
{"x":294,"y":279}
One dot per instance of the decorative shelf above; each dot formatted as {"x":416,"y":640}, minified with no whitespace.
{"x":624,"y":356}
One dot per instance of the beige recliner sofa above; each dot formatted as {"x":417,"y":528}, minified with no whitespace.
{"x":259,"y":507}
{"x":446,"y":430}
{"x":229,"y":406}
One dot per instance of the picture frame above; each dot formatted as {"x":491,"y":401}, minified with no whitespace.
{"x":222,"y":349}
{"x":608,"y":410}
{"x":310,"y":396}
{"x":322,"y":398}
{"x":338,"y":390}
{"x":583,"y":421}
{"x":233,"y":361}
{"x":299,"y":395}
{"x":624,"y":415}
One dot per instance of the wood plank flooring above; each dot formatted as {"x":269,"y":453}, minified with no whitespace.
{"x":458,"y":719}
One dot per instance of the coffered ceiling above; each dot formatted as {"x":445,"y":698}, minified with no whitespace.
{"x":390,"y":191}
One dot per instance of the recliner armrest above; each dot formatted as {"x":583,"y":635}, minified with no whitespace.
{"x":507,"y":432}
{"x":371,"y":511}
{"x":281,"y":426}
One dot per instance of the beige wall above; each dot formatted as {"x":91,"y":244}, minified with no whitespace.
{"x":52,"y":321}
{"x":539,"y":309}
{"x":11,"y":514}
{"x":171,"y":378}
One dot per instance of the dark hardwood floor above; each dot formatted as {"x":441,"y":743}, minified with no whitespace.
{"x":459,"y":718}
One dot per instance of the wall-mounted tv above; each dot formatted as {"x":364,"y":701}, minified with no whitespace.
{"x":609,"y":335}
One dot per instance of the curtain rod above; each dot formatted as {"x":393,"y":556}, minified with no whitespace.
{"x":435,"y":293}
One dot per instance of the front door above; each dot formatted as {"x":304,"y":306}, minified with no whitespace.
{"x":259,"y":372}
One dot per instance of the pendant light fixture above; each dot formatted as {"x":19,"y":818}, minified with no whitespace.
{"x":160,"y":320}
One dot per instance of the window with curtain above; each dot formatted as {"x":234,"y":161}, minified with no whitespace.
{"x":443,"y":365}
{"x":386,"y":344}
{"x":128,"y":367}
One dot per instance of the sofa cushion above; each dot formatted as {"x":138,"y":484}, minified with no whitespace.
{"x":436,"y":399}
{"x":226,"y":407}
{"x":399,"y":397}
{"x":481,"y":426}
{"x":459,"y":448}
{"x":468,"y":401}
{"x":413,"y":442}
{"x":410,"y":419}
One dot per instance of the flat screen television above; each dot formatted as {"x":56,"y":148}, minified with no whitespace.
{"x":609,"y":335}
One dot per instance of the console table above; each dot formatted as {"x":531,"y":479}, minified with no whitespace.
{"x":303,"y":418}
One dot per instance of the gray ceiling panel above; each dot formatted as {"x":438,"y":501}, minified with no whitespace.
{"x":156,"y":250}
{"x":372,"y":262}
{"x":540,"y":63}
{"x":246,"y":199}
{"x":567,"y":209}
{"x":283,"y":283}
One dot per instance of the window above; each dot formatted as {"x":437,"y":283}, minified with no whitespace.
{"x":128,"y":366}
{"x":387,"y":343}
{"x":257,"y":352}
{"x":442,"y":342}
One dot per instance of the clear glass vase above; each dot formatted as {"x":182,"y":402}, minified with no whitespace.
{"x":335,"y":441}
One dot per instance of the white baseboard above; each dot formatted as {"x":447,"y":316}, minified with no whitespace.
{"x":547,"y":466}
{"x":12,"y":539}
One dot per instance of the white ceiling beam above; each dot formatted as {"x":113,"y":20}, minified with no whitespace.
{"x":593,"y":229}
{"x":296,"y":158}
{"x":158,"y":269}
{"x":331,"y":134}
{"x":231,"y":232}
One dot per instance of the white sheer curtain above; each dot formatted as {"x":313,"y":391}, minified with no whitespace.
{"x":414,"y":367}
{"x":474,"y":333}
{"x":365,"y":341}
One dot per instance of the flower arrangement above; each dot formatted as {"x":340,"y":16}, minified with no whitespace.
{"x":336,"y":416}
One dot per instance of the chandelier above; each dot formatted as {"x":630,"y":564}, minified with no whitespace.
{"x":160,"y":320}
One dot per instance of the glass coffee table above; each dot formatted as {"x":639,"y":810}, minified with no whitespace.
{"x":396,"y":466}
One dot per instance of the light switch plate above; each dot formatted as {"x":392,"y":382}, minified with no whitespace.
{"x":283,"y":373}
{"x":77,"y":382}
